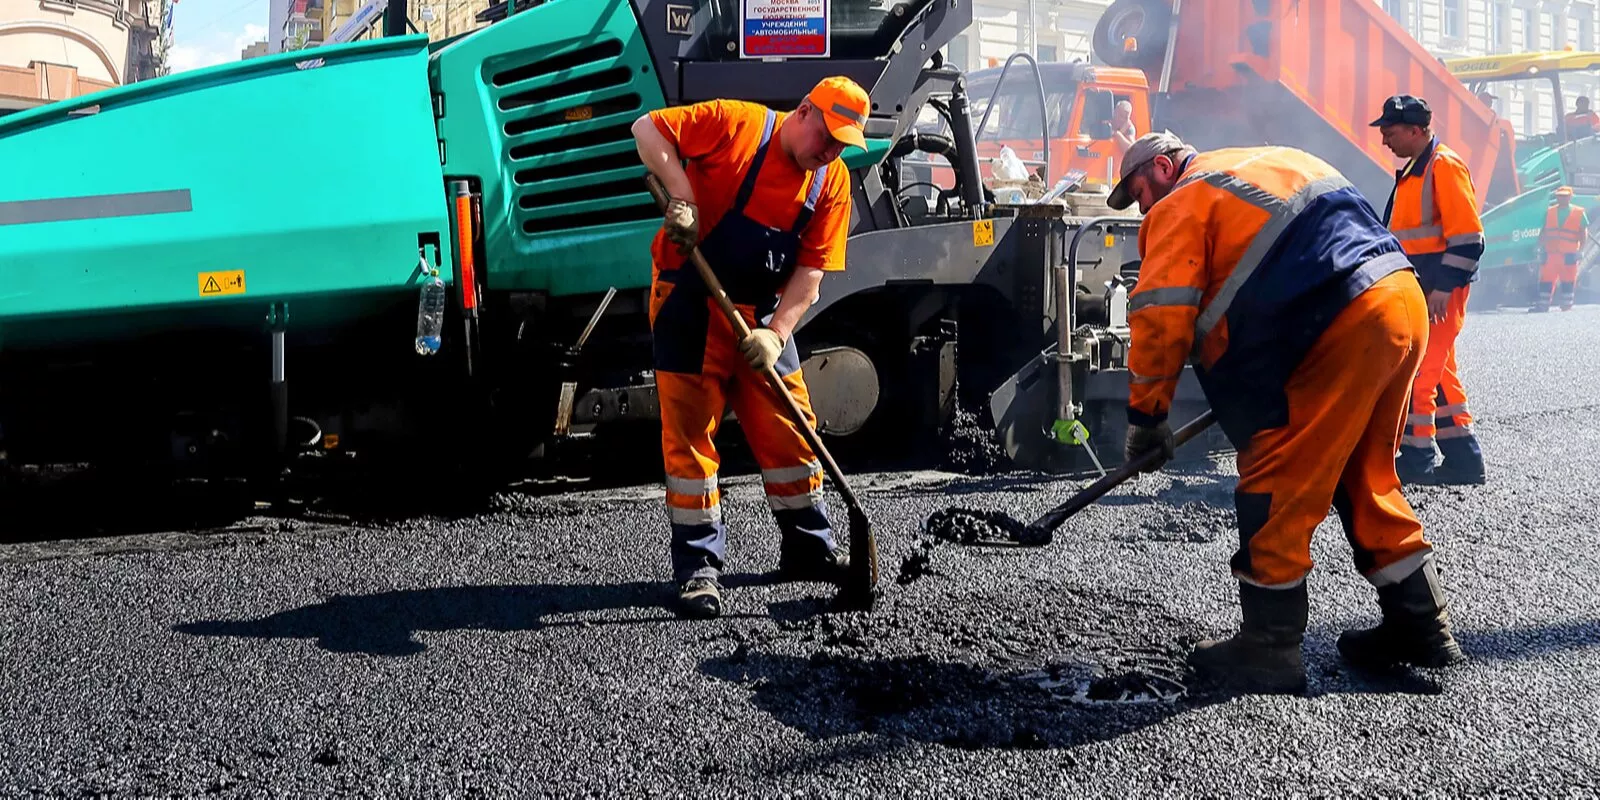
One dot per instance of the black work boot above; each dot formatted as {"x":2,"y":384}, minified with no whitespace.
{"x":700,"y":597}
{"x":1264,"y":656}
{"x":1415,"y":628}
{"x":830,"y":567}
{"x":1414,"y":465}
{"x":1463,"y":462}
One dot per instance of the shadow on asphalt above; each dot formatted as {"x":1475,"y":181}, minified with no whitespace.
{"x":386,"y":624}
{"x":1528,"y":642}
{"x":829,"y":695}
{"x":917,"y":698}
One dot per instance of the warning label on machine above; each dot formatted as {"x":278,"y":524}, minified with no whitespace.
{"x":783,"y":28}
{"x":222,"y":283}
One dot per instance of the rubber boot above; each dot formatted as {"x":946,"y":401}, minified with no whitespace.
{"x":1541,"y":303}
{"x":1264,"y":656}
{"x":830,"y":567}
{"x":1415,"y":464}
{"x":700,"y":597}
{"x":1463,"y":462}
{"x":1415,"y":628}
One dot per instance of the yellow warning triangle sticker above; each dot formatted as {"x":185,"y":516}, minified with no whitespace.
{"x":211,"y":286}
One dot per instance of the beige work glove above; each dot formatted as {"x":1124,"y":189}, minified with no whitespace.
{"x":683,"y":225}
{"x":761,"y":348}
{"x":1142,"y":440}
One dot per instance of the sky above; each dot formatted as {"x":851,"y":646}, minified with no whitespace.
{"x":209,"y":32}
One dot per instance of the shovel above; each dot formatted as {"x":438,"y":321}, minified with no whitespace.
{"x":1040,"y":532}
{"x":863,"y":577}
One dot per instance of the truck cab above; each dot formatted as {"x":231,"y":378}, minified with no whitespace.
{"x":1074,"y":131}
{"x":1080,"y":101}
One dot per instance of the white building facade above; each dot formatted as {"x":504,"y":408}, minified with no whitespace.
{"x":1456,"y":28}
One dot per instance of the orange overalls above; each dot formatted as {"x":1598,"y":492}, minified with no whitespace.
{"x":1433,"y":212}
{"x":758,"y":232}
{"x":1306,"y":325}
{"x":1561,"y":238}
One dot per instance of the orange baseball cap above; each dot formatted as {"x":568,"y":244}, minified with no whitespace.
{"x":844,"y":106}
{"x":1565,"y":191}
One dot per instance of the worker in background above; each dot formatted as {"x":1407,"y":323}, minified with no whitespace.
{"x":1565,"y":227}
{"x":1306,"y":324}
{"x":1582,"y":121}
{"x":1122,"y":130}
{"x":767,"y":200}
{"x":1433,"y":211}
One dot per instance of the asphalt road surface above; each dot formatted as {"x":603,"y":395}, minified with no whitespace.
{"x":528,"y":649}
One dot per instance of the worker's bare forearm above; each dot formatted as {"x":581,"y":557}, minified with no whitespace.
{"x":798,"y":295}
{"x":660,"y":156}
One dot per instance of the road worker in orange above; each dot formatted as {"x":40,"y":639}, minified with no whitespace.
{"x":1565,"y":228}
{"x":1582,"y":121}
{"x":1306,"y":325}
{"x":1433,"y":211}
{"x":767,"y":200}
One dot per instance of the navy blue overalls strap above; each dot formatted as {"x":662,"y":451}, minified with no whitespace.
{"x":748,"y":185}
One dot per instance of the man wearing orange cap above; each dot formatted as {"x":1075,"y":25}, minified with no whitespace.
{"x":1565,"y":227}
{"x":767,"y":201}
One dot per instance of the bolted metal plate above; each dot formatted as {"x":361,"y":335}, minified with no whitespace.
{"x":843,"y":384}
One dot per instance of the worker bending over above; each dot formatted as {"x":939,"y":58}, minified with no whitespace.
{"x":1565,"y":227}
{"x":1306,"y":325}
{"x":1433,"y":211}
{"x":768,"y":202}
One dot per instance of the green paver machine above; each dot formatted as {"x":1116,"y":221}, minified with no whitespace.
{"x":1509,"y":271}
{"x":403,"y":251}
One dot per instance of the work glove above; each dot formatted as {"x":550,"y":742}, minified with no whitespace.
{"x":1143,"y":439}
{"x":683,"y":225}
{"x":761,"y":348}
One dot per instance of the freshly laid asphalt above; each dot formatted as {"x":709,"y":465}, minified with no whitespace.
{"x":529,"y":649}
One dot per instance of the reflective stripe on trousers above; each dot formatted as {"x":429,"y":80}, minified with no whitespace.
{"x":1438,"y":398}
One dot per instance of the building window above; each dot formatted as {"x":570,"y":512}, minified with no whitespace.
{"x":1395,"y":8}
{"x":1451,"y":13}
{"x":1497,"y":27}
{"x":1530,"y":29}
{"x":958,"y":53}
{"x":1585,"y":31}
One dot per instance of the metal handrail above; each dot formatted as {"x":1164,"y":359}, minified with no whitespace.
{"x":1044,"y":112}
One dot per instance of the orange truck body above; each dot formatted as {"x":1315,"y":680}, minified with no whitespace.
{"x":1310,"y":74}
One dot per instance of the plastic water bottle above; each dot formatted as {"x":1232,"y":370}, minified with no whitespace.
{"x":430,"y":315}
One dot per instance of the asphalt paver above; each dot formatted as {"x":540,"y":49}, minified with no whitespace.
{"x":530,"y":648}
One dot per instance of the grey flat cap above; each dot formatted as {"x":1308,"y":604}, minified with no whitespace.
{"x":1144,"y":149}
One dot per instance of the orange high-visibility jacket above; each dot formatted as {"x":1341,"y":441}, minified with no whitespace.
{"x":1560,"y":236}
{"x":1245,"y":264}
{"x":1433,"y":211}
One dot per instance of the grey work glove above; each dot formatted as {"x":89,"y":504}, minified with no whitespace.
{"x":761,"y":348}
{"x":683,"y":225}
{"x":1143,"y":439}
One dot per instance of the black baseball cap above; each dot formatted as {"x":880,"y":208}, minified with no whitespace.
{"x":1403,"y":109}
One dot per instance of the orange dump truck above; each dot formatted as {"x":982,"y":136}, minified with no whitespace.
{"x":1305,"y":73}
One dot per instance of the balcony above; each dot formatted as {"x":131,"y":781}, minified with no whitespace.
{"x":40,"y":83}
